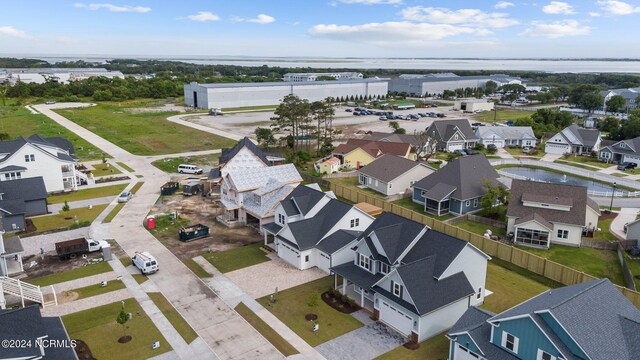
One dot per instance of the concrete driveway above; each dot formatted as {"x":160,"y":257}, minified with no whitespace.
{"x":262,"y":279}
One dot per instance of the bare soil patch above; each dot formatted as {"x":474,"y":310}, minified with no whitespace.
{"x":67,"y":297}
{"x":49,"y":264}
{"x":83,"y":351}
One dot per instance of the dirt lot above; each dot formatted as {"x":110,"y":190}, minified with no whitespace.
{"x":197,"y":210}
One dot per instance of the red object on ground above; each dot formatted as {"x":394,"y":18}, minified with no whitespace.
{"x":151,"y":222}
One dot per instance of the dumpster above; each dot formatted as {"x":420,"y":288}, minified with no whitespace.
{"x":193,"y":232}
{"x":169,"y":188}
{"x":151,"y":222}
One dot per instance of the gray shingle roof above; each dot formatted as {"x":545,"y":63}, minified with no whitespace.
{"x":27,"y":189}
{"x":390,"y":137}
{"x":588,"y":137}
{"x":13,"y":207}
{"x":506,"y":132}
{"x":214,"y":173}
{"x":439,"y":191}
{"x":533,"y":189}
{"x":309,"y":232}
{"x":228,"y":153}
{"x":446,"y":128}
{"x":466,"y":174}
{"x":13,"y":245}
{"x":272,"y":227}
{"x":549,"y":199}
{"x":434,"y":243}
{"x":12,"y":168}
{"x":388,"y":167}
{"x":357,"y":275}
{"x":305,"y":197}
{"x":337,"y":241}
{"x":535,"y":217}
{"x":583,"y":308}
{"x":10,"y":147}
{"x":394,"y":233}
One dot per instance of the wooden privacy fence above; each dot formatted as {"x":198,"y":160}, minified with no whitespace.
{"x":536,"y":264}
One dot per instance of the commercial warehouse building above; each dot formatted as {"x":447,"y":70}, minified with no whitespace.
{"x":232,"y":95}
{"x":298,"y":77}
{"x":436,"y":84}
{"x":473,"y":105}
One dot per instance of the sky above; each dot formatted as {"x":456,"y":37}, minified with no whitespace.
{"x":323,"y":28}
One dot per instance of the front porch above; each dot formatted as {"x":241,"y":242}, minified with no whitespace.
{"x":356,"y":284}
{"x":229,"y":218}
{"x":269,"y":232}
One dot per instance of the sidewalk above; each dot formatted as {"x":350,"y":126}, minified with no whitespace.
{"x":625,"y":215}
{"x":178,"y":120}
{"x":551,"y":157}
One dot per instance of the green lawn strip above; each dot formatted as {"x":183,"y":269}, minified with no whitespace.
{"x":177,"y":321}
{"x":84,"y":271}
{"x":598,"y":263}
{"x":606,"y":233}
{"x":479,"y":228}
{"x":502,"y":114}
{"x":196,"y":268}
{"x":237,"y":258}
{"x":102,"y":170}
{"x":137,"y":187}
{"x":65,"y":219}
{"x":619,"y":175}
{"x":436,"y":348}
{"x":634,"y":267}
{"x":263,"y":328}
{"x":140,"y":278}
{"x":125,"y":166}
{"x":292,"y":305}
{"x":98,"y":328}
{"x":170,"y":165}
{"x":18,"y":121}
{"x":251,"y":108}
{"x":113,"y":213}
{"x":511,"y":287}
{"x":352,"y":183}
{"x":97,"y":289}
{"x":93,"y":193}
{"x":613,"y":208}
{"x":419,"y":208}
{"x":586,"y":160}
{"x":143,"y":133}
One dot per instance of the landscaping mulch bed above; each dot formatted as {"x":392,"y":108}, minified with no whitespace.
{"x":311,"y":317}
{"x":111,"y":178}
{"x":411,"y":345}
{"x":340,"y":302}
{"x":124,"y":339}
{"x":83,"y":351}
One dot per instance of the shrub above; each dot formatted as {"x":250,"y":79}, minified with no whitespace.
{"x":479,"y":147}
{"x":491,"y":149}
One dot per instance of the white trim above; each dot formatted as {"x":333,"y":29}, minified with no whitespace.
{"x":470,"y":337}
{"x":565,"y":330}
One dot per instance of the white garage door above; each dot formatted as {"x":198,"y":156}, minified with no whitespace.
{"x":324,"y":261}
{"x":497,"y":143}
{"x":453,"y":147}
{"x":462,"y":353}
{"x":556,"y":148}
{"x":396,"y":318}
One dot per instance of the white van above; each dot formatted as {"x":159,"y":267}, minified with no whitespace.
{"x":145,"y":262}
{"x":189,"y":169}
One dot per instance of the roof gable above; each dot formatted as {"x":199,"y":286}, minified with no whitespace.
{"x":309,"y":232}
{"x":389,"y":167}
{"x":394,"y":234}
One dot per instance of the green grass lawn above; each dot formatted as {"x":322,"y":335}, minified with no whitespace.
{"x":518,"y":151}
{"x":125,"y":166}
{"x":143,"y":133}
{"x":18,"y":121}
{"x":293,"y":304}
{"x":197,"y":269}
{"x":93,"y":269}
{"x":251,"y":108}
{"x":98,"y":328}
{"x":137,"y":187}
{"x":113,"y":213}
{"x":102,"y":170}
{"x":419,"y":208}
{"x":170,"y":165}
{"x":587,"y":160}
{"x":140,"y":278}
{"x":237,"y":258}
{"x":509,"y":288}
{"x":263,"y":328}
{"x":64,"y":219}
{"x":634,"y":267}
{"x":498,"y":212}
{"x":503,"y":114}
{"x":598,"y":263}
{"x":436,"y":348}
{"x":479,"y":228}
{"x":606,"y":233}
{"x":98,"y":289}
{"x":352,"y":183}
{"x":177,"y":321}
{"x":93,"y":193}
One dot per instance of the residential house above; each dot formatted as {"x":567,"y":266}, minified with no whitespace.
{"x":457,"y":187}
{"x":391,"y":174}
{"x":50,"y":158}
{"x":505,"y":136}
{"x":313,"y":228}
{"x":11,"y":252}
{"x":622,"y":151}
{"x":46,"y":337}
{"x":631,"y":96}
{"x":329,"y":166}
{"x":591,"y":320}
{"x":21,"y":198}
{"x":543,"y":213}
{"x":249,"y":195}
{"x":418,"y":144}
{"x":247,"y":155}
{"x":416,"y":280}
{"x":451,"y":135}
{"x":633,"y":231}
{"x":358,"y":153}
{"x":574,"y":140}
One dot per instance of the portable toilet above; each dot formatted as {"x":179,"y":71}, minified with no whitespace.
{"x":151,"y":222}
{"x":106,"y":252}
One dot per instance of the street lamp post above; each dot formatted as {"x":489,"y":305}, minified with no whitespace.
{"x":613,"y":192}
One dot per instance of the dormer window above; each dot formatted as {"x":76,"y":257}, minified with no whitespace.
{"x":396,"y":288}
{"x":364,"y":261}
{"x":384,"y":268}
{"x":281,"y":219}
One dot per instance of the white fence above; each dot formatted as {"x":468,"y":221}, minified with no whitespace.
{"x":606,"y":178}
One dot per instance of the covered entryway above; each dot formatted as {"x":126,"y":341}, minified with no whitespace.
{"x":396,"y":318}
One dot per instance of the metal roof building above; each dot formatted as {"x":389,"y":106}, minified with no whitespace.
{"x":419,"y":85}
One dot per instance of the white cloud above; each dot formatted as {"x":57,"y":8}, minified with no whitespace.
{"x":371,"y":2}
{"x":594,"y":14}
{"x":203,"y":16}
{"x":558,"y":7}
{"x":390,"y":33}
{"x":113,"y":8}
{"x":616,"y":7}
{"x":471,"y":17}
{"x":260,"y":19}
{"x":556,"y":29}
{"x":503,"y":5}
{"x":13,"y":32}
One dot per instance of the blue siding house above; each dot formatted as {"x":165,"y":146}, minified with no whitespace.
{"x":591,"y":320}
{"x":456,"y":187}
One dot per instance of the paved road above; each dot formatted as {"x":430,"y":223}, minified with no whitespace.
{"x":626,"y":215}
{"x":214,"y":321}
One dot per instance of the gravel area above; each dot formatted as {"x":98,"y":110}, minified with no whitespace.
{"x":367,"y":342}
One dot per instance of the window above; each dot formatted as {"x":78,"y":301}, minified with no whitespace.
{"x":384,"y":268}
{"x":363,"y":180}
{"x":479,"y":295}
{"x":355,"y":222}
{"x":475,"y":203}
{"x":281,"y":219}
{"x":396,"y":289}
{"x":13,"y":175}
{"x":563,"y":234}
{"x":532,"y":237}
{"x":543,"y":355}
{"x":306,"y":258}
{"x":510,"y":342}
{"x":28,"y":158}
{"x":364,"y":261}
{"x":467,"y":203}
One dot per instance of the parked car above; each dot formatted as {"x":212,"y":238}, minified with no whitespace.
{"x":384,"y":118}
{"x":348,"y":110}
{"x":189,"y":169}
{"x":145,"y":262}
{"x":422,"y":114}
{"x":527,"y":149}
{"x":627,"y":166}
{"x":50,"y":102}
{"x":356,"y":113}
{"x":124,"y":197}
{"x":476,"y":124}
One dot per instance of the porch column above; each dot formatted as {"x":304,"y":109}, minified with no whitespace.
{"x":20,"y":262}
{"x":439,"y":203}
{"x":265,"y":238}
{"x":335,"y":280}
{"x":361,"y":297}
{"x":344,"y":286}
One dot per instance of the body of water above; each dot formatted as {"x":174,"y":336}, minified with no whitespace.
{"x":555,"y":178}
{"x":546,"y":65}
